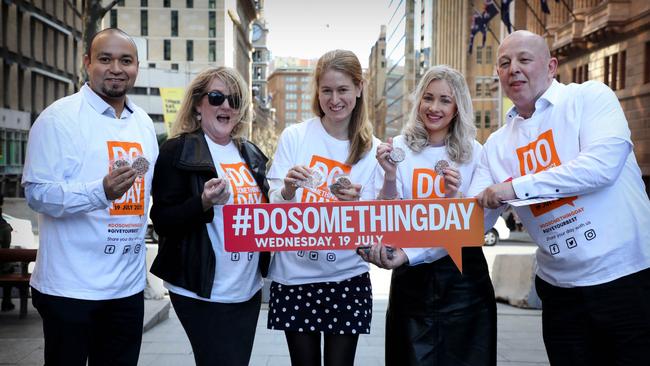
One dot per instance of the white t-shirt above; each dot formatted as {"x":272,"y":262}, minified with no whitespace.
{"x":308,"y":144}
{"x":417,"y":179}
{"x":236,"y":277}
{"x":89,"y":248}
{"x":571,"y":147}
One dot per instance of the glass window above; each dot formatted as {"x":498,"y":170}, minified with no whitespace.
{"x":479,"y":88}
{"x":113,"y":18}
{"x":167,"y":3}
{"x":479,"y":55}
{"x":189,"y":50}
{"x":212,"y":51}
{"x":212,"y":4}
{"x":212,"y":23}
{"x":487,"y":119}
{"x":174,"y":24}
{"x":291,"y":96}
{"x":167,"y":51}
{"x":290,"y":116}
{"x":189,"y":4}
{"x":477,"y":119}
{"x":144,"y":23}
{"x":144,"y":3}
{"x":488,"y":55}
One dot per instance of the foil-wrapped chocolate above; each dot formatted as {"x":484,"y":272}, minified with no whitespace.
{"x":315,"y":180}
{"x":140,"y":165}
{"x":396,"y":155}
{"x":441,"y":165}
{"x":119,"y":163}
{"x":341,"y":181}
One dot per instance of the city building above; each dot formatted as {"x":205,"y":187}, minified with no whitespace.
{"x":181,"y":38}
{"x":290,"y":92}
{"x":40,"y":50}
{"x":376,"y":81}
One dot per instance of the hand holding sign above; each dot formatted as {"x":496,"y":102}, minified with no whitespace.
{"x":447,"y":223}
{"x":384,"y":256}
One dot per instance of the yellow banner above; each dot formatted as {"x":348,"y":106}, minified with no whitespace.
{"x":171,"y":99}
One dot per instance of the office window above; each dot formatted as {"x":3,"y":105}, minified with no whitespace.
{"x":175,"y":67}
{"x":305,"y":115}
{"x":113,"y":18}
{"x":615,"y":70}
{"x":479,"y":55}
{"x":189,"y":4}
{"x":167,"y":50}
{"x":120,"y":3}
{"x":154,"y":91}
{"x":174,"y":23}
{"x":290,"y":105}
{"x":144,"y":3}
{"x":138,"y":90}
{"x":477,"y":119}
{"x":479,"y":88}
{"x":306,"y":104}
{"x":144,"y":22}
{"x":291,"y":96}
{"x":212,"y":23}
{"x":167,"y":3}
{"x":291,"y":87}
{"x":212,"y":4}
{"x":290,"y":116}
{"x":189,"y":50}
{"x":488,"y":55}
{"x":487,"y":119}
{"x":212,"y":51}
{"x":152,"y":65}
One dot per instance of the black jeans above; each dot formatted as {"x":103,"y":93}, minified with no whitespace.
{"x":103,"y":332}
{"x":606,"y":324}
{"x":220,"y":333}
{"x":438,"y":316}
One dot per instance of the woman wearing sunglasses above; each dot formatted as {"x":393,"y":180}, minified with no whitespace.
{"x":324,"y":292}
{"x":204,"y":166}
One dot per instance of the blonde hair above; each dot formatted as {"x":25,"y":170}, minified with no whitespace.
{"x":462,"y":131}
{"x":186,"y":119}
{"x":360,"y":128}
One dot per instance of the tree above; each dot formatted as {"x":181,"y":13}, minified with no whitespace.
{"x":92,"y":14}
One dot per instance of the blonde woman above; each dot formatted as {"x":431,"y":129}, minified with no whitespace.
{"x":436,"y":315}
{"x":326,"y":292}
{"x":204,"y":166}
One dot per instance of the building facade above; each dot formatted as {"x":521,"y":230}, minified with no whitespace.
{"x":376,"y":82}
{"x":181,"y":38}
{"x":39,"y":48}
{"x":290,"y":91}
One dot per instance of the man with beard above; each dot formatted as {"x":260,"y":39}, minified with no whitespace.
{"x":90,"y":270}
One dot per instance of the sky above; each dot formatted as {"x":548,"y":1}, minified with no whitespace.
{"x":309,"y":28}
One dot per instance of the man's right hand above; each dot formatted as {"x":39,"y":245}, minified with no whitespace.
{"x":118,"y":181}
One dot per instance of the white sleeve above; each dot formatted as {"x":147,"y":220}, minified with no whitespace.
{"x":420,"y":255}
{"x":482,"y":177}
{"x":605,"y":145}
{"x":52,"y":159}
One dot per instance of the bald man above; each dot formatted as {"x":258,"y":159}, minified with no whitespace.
{"x":90,"y":271}
{"x":572,"y":142}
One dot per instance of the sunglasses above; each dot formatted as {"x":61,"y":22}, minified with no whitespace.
{"x":216,"y":98}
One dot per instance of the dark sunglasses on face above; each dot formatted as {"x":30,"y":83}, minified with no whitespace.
{"x":216,"y":98}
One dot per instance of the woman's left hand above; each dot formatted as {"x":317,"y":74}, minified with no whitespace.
{"x":352,"y":193}
{"x":453,"y":181}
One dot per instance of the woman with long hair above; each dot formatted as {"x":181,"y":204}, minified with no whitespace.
{"x":326,"y":292}
{"x":436,"y":315}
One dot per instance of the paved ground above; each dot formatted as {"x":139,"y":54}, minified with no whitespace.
{"x":519,"y":333}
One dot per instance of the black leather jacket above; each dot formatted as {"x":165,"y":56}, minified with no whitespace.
{"x":185,"y":255}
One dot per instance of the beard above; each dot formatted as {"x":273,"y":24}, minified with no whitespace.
{"x":114,"y":93}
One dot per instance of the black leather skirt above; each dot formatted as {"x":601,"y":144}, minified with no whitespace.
{"x":438,"y":316}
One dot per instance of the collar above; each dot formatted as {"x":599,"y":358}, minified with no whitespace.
{"x":195,"y":153}
{"x":102,"y":107}
{"x":550,"y":97}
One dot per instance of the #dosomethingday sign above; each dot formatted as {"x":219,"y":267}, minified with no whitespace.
{"x":448,"y":223}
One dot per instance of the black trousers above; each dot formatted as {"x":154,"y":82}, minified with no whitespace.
{"x":220,"y":333}
{"x":606,"y":324}
{"x":102,"y":332}
{"x":438,"y":316}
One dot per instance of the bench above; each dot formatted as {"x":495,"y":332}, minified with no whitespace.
{"x":18,"y":280}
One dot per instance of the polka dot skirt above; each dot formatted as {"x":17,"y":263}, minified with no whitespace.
{"x":331,"y":307}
